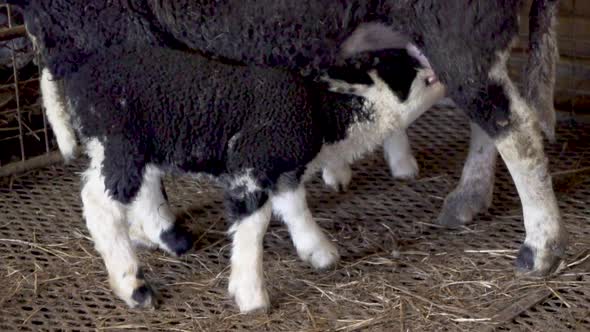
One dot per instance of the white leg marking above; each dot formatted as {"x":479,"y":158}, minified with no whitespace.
{"x":58,"y":115}
{"x":522,"y":151}
{"x":105,"y":219}
{"x":149,"y":215}
{"x":398,"y":154}
{"x":523,"y":154}
{"x":310,"y":241}
{"x":246,"y":282}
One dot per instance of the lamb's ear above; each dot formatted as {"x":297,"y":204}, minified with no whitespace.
{"x":372,"y":37}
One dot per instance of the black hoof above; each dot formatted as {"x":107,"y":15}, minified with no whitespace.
{"x":525,"y":261}
{"x":531,"y":262}
{"x":142,"y":295}
{"x":177,"y":240}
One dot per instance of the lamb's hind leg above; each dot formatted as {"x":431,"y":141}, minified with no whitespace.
{"x":152,"y":221}
{"x":476,"y":187}
{"x":249,"y":212}
{"x":105,"y":219}
{"x":58,"y":115}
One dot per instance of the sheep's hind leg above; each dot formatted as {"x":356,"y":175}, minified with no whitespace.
{"x":516,"y":132}
{"x":476,"y":187}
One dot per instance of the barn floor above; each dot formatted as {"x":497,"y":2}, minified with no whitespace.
{"x":398,"y":272}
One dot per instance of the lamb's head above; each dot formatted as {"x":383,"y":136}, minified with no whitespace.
{"x":425,"y":90}
{"x":395,"y":78}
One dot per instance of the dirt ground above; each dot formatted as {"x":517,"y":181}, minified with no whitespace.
{"x":399,"y":271}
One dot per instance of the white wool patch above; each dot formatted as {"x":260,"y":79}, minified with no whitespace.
{"x":58,"y":115}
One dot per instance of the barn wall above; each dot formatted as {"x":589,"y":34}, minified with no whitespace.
{"x":573,"y":74}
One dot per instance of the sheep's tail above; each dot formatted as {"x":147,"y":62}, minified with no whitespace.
{"x":539,"y":78}
{"x":58,"y":115}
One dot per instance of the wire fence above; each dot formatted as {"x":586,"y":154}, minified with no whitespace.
{"x":25,"y":137}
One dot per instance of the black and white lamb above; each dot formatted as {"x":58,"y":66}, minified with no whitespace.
{"x":466,"y":41}
{"x":259,"y":131}
{"x":397,"y":151}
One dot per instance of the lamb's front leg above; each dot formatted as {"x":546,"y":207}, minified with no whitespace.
{"x":399,"y":157}
{"x":310,"y":241}
{"x":337,"y":173}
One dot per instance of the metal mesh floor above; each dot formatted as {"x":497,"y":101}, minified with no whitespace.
{"x":398,"y":270}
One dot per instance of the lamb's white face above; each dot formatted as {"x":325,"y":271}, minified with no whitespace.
{"x":424,"y":88}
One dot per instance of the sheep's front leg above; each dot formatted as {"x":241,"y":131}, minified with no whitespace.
{"x":105,"y":219}
{"x":310,"y":241}
{"x":476,"y":187}
{"x":249,"y":210}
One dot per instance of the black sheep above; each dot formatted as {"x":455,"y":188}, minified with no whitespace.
{"x":260,"y":132}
